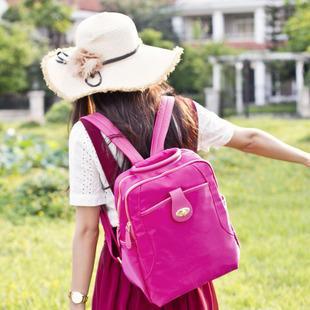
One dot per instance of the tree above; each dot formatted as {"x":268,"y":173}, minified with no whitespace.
{"x":298,"y":28}
{"x":52,"y":18}
{"x":146,"y":14}
{"x":47,"y":22}
{"x":276,"y":17}
{"x":16,"y":53}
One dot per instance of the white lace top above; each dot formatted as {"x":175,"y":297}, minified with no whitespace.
{"x":87,"y":179}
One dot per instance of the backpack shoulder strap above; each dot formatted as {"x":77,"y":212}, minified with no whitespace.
{"x":162,"y":122}
{"x":110,"y":168}
{"x":192,"y":107}
{"x":107,"y":161}
{"x":114,"y":134}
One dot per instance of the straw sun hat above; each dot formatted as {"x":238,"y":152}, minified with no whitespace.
{"x":108,"y":56}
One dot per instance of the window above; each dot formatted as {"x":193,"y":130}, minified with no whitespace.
{"x":239,"y":26}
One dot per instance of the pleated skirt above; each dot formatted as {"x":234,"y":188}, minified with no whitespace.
{"x":113,"y":291}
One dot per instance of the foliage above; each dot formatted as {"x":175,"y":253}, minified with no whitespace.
{"x":59,"y":112}
{"x":153,"y":37}
{"x":43,"y":193}
{"x":298,"y":28}
{"x":20,"y":153}
{"x":194,"y":72}
{"x":33,"y":170}
{"x":146,"y":14}
{"x":29,"y":124}
{"x":276,"y":18}
{"x":16,"y":53}
{"x":45,"y":23}
{"x":54,"y":17}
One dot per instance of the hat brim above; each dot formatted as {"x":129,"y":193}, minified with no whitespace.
{"x":149,"y":66}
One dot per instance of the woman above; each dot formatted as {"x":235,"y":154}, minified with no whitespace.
{"x":112,"y":72}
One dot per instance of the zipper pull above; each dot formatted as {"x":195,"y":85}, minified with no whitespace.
{"x":127,"y":235}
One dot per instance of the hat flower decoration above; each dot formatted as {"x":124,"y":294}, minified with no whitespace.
{"x":85,"y":63}
{"x":108,"y":55}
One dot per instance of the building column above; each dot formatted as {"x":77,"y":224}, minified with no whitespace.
{"x":299,"y":78}
{"x":303,"y":104}
{"x":36,"y":102}
{"x":239,"y":90}
{"x":218,"y":26}
{"x":217,"y":76}
{"x":212,"y":95}
{"x":178,"y":26}
{"x":260,"y":82}
{"x":259,"y":25}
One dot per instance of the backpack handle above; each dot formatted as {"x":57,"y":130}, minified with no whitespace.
{"x":162,"y":123}
{"x":114,"y":134}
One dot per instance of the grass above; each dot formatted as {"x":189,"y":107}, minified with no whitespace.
{"x":269,"y":206}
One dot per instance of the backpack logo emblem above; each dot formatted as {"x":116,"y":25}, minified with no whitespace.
{"x":182,"y":212}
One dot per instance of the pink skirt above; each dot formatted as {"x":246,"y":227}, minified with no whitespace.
{"x":113,"y":291}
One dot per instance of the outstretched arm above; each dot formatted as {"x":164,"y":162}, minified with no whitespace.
{"x":259,"y":142}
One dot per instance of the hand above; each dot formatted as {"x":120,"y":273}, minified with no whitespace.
{"x":73,"y":306}
{"x":307,"y":160}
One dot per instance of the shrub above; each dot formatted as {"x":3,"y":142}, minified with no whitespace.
{"x":59,"y":112}
{"x":41,"y":194}
{"x":153,"y":37}
{"x":29,"y":124}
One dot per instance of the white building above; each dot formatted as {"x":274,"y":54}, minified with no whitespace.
{"x":241,"y":24}
{"x":3,"y":7}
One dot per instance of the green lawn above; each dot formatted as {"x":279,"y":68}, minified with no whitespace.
{"x":269,"y":203}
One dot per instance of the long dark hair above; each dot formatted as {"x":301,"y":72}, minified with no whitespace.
{"x":133,"y":114}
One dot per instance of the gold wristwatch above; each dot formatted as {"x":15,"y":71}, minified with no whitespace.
{"x":77,"y":297}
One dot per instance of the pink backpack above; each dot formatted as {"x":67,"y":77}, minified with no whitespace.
{"x":174,"y":233}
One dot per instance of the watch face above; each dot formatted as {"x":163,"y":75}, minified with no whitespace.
{"x":76,"y":297}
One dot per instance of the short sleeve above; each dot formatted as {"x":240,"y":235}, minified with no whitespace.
{"x":213,"y":131}
{"x":86,"y":188}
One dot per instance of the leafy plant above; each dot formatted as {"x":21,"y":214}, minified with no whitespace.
{"x":59,"y":112}
{"x":153,"y":37}
{"x":20,"y":153}
{"x":42,"y":194}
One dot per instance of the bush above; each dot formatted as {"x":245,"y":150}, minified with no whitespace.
{"x":29,"y":124}
{"x":59,"y":112}
{"x":41,"y":194}
{"x":153,"y":37}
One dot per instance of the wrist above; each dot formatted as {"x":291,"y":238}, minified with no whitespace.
{"x":73,"y":306}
